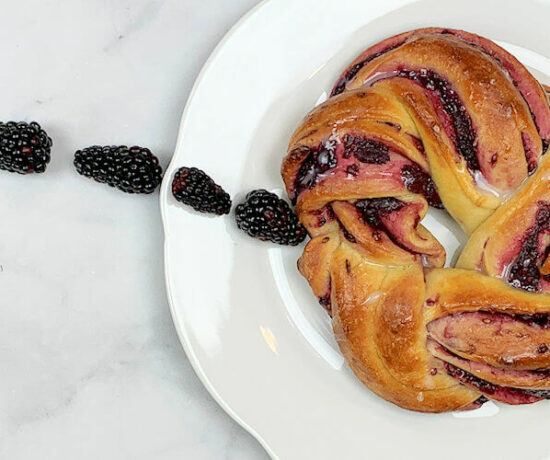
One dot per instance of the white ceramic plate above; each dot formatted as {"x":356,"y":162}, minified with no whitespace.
{"x":251,"y":327}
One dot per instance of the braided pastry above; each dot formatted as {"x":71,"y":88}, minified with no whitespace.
{"x":448,"y":119}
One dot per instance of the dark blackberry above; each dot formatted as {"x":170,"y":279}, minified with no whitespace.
{"x":24,"y":147}
{"x":265,"y":216}
{"x":130,"y":169}
{"x":195,"y":188}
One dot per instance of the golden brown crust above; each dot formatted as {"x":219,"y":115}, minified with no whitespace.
{"x":497,"y":122}
{"x":425,"y":116}
{"x":377,"y":327}
{"x":315,"y":262}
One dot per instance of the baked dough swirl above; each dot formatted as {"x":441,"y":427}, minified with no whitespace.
{"x":443,"y":118}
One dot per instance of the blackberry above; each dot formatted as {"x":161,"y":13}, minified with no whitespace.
{"x":195,"y":188}
{"x":130,"y":169}
{"x":24,"y":147}
{"x":265,"y":216}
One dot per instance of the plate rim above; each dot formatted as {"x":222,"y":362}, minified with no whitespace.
{"x":179,"y":325}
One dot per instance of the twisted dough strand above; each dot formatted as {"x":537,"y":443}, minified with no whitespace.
{"x":443,"y":118}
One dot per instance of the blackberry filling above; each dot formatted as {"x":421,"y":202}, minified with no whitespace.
{"x":418,"y":181}
{"x":518,"y":395}
{"x":537,"y":319}
{"x":510,"y":72}
{"x":464,"y":135}
{"x":325,"y":302}
{"x":319,"y":161}
{"x":524,"y":273}
{"x":545,"y":144}
{"x":366,"y":150}
{"x":480,"y":401}
{"x":373,"y":208}
{"x":347,"y":234}
{"x":417,"y":143}
{"x":375,"y":152}
{"x":529,"y":154}
{"x":395,"y":126}
{"x":350,"y":74}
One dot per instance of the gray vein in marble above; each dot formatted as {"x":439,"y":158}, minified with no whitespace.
{"x":91,"y":364}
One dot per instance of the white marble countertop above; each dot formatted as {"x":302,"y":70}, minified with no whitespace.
{"x":91,"y":365}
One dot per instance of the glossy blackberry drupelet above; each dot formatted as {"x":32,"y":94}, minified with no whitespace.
{"x":195,"y":188}
{"x":130,"y":169}
{"x":24,"y":147}
{"x":265,"y":216}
